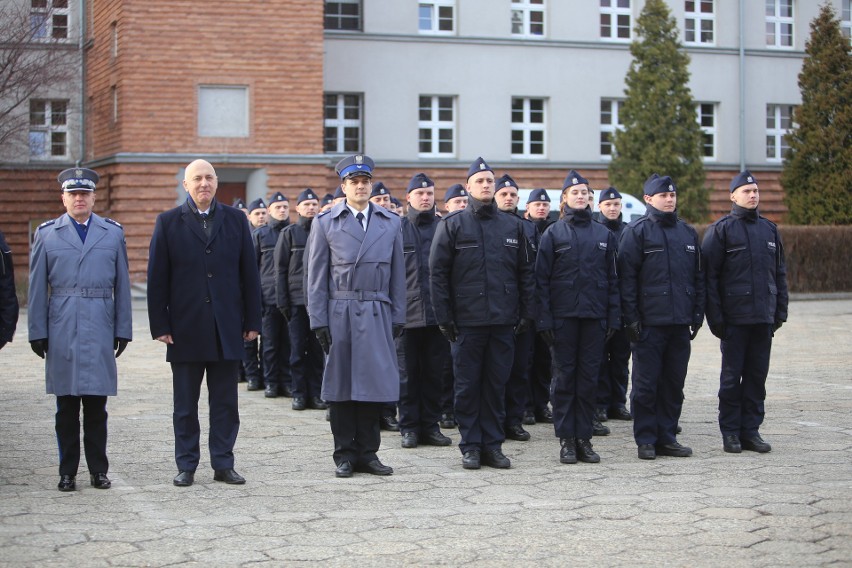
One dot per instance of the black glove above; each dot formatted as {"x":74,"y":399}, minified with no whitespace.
{"x":634,"y":331}
{"x":777,"y":326}
{"x":397,"y":330}
{"x":450,"y":331}
{"x":693,"y":329}
{"x":523,"y":326}
{"x":285,"y":311}
{"x":609,"y":333}
{"x":718,"y":330}
{"x":39,"y":347}
{"x":2,"y":344}
{"x":120,"y":345}
{"x":547,"y":336}
{"x":324,"y":337}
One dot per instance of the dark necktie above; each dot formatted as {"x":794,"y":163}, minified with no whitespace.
{"x":360,"y":217}
{"x":81,"y":230}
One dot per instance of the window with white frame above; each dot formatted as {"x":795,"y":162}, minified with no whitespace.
{"x":49,"y":19}
{"x":615,"y":20}
{"x":846,"y":20}
{"x":528,"y":18}
{"x":779,"y":23}
{"x":528,"y":128}
{"x":223,"y":111}
{"x":48,"y":129}
{"x":707,"y":122}
{"x":779,"y":121}
{"x":343,"y":15}
{"x":437,"y":17}
{"x":343,"y":125}
{"x":436,"y":126}
{"x":610,"y":123}
{"x":699,"y":22}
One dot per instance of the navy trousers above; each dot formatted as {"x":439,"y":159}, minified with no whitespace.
{"x":540,"y":376}
{"x":613,"y":378}
{"x":275,"y":348}
{"x":421,"y":389}
{"x":251,"y":363}
{"x":356,"y":431}
{"x":517,"y":388}
{"x":94,"y":433}
{"x":742,"y":384}
{"x":306,"y":356}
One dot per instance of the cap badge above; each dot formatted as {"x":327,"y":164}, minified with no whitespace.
{"x":359,"y":159}
{"x":481,"y":166}
{"x":671,"y":187}
{"x":750,"y":179}
{"x":575,"y":181}
{"x":424,"y":184}
{"x":78,"y":173}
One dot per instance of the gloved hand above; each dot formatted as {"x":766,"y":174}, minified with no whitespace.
{"x":718,"y":330}
{"x":693,"y":329}
{"x":523,"y":326}
{"x":397,"y":330}
{"x":324,"y":337}
{"x":547,"y":336}
{"x":609,"y":333}
{"x":777,"y":326}
{"x":450,"y":331}
{"x":285,"y":311}
{"x":120,"y":345}
{"x":39,"y":347}
{"x":634,"y":331}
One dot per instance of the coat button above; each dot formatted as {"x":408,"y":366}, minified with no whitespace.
{"x":207,"y":300}
{"x":208,"y":251}
{"x":209,"y":275}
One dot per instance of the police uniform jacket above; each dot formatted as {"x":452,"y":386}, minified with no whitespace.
{"x":660,"y":271}
{"x":265,"y":238}
{"x":418,"y":230}
{"x":482,"y":268}
{"x":575,"y":271}
{"x":746,"y":274}
{"x":289,"y":263}
{"x":79,"y":300}
{"x":356,"y":288}
{"x":202,"y":290}
{"x":8,"y":296}
{"x":615,"y":225}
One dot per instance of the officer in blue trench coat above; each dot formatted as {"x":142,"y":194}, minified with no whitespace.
{"x":356,"y":302}
{"x":80,"y":321}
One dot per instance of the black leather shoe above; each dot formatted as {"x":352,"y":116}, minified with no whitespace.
{"x":731,"y":444}
{"x":674,"y":450}
{"x":317,"y":403}
{"x":374,"y":467}
{"x":298,"y":403}
{"x":271,"y":391}
{"x":529,"y":418}
{"x":100,"y":481}
{"x":568,"y":453}
{"x":344,"y":469}
{"x":647,"y":452}
{"x":544,"y":416}
{"x":184,"y":478}
{"x":471,"y":459}
{"x":285,"y":391}
{"x":678,"y":429}
{"x":585,"y":453}
{"x":228,"y":476}
{"x":389,"y":423}
{"x":599,"y":429}
{"x":67,"y":483}
{"x":496,"y":459}
{"x":619,"y":413}
{"x":435,"y":439}
{"x":447,"y":421}
{"x":755,"y":444}
{"x":409,"y":440}
{"x":600,"y":414}
{"x":253,"y":385}
{"x":517,"y":432}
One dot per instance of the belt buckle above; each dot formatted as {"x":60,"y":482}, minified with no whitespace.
{"x":84,"y":292}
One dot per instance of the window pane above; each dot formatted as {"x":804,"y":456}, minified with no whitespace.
{"x":425,"y":17}
{"x":60,"y":26}
{"x":57,"y":144}
{"x":517,"y":22}
{"x":60,"y":3}
{"x":770,"y":146}
{"x":37,"y":142}
{"x":623,"y":3}
{"x":39,"y":4}
{"x":38,"y":116}
{"x":425,"y":141}
{"x":623,"y":26}
{"x":689,"y":6}
{"x":707,"y":6}
{"x":445,"y":18}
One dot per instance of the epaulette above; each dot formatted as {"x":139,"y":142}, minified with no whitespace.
{"x":114,"y":222}
{"x":323,"y":213}
{"x":47,"y":223}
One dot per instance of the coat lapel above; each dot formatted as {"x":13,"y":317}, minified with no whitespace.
{"x":66,"y":231}
{"x":375,"y":229}
{"x":188,"y":218}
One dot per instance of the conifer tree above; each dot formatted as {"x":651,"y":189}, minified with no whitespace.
{"x":661,"y":132}
{"x":817,"y":176}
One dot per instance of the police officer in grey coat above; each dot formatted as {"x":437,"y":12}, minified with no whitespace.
{"x":80,"y":321}
{"x":356,"y":304}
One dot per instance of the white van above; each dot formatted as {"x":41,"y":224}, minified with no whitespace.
{"x":632,"y":208}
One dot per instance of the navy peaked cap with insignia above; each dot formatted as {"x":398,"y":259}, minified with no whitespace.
{"x":419,"y":181}
{"x":327,"y":199}
{"x":379,"y":189}
{"x":455,"y":190}
{"x":256,"y":204}
{"x":308,"y":194}
{"x":239,"y":203}
{"x":477,"y":166}
{"x":78,"y":179}
{"x":659,"y":184}
{"x":338,"y":193}
{"x":505,"y":181}
{"x":573,"y":178}
{"x":357,"y":165}
{"x":278,"y":196}
{"x":538,"y":195}
{"x":741,"y":179}
{"x":609,"y":193}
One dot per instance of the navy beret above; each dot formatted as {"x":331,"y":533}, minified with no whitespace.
{"x":455,"y":190}
{"x":277,"y":196}
{"x":307,"y":194}
{"x":477,"y":166}
{"x":357,"y":165}
{"x":327,"y":199}
{"x":609,"y":193}
{"x":78,"y":179}
{"x":256,"y":204}
{"x":742,"y":178}
{"x":239,"y":203}
{"x":379,"y":189}
{"x":538,"y":195}
{"x":419,"y":181}
{"x":573,"y":178}
{"x":396,"y":201}
{"x":659,"y":184}
{"x":505,"y":181}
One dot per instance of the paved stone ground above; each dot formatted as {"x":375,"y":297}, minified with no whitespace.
{"x":792,"y":507}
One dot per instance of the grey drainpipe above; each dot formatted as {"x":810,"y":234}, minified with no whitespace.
{"x":742,"y":88}
{"x":82,"y":47}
